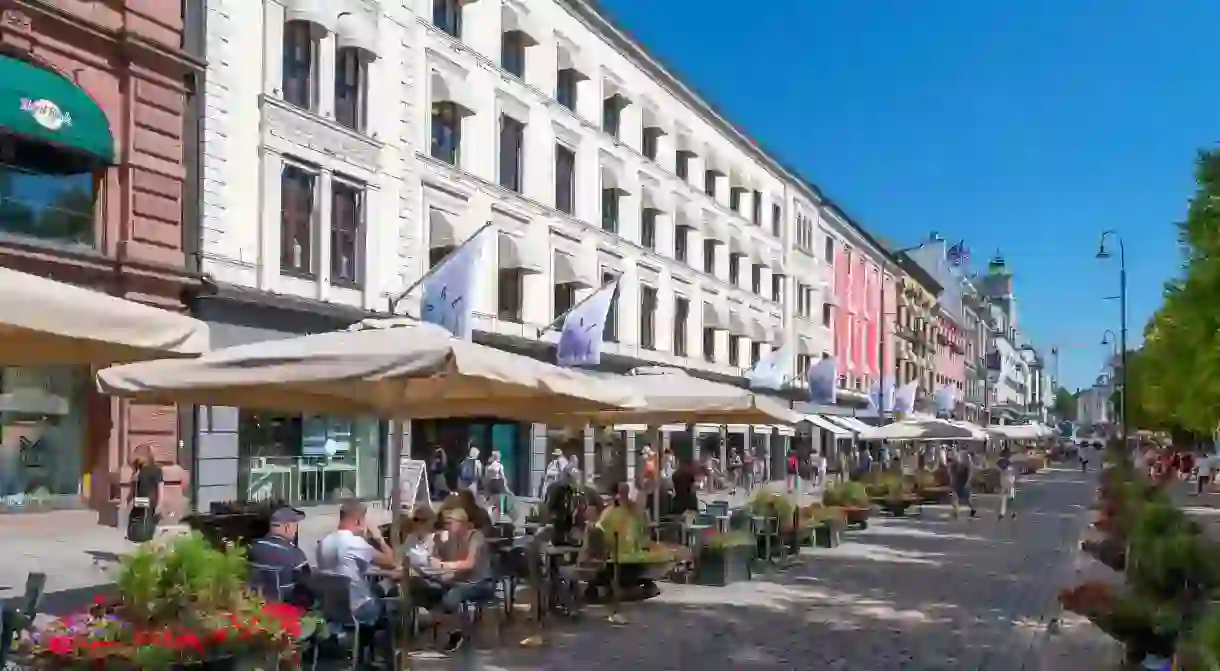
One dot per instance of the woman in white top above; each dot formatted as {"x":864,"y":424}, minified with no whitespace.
{"x":420,"y":541}
{"x":1204,"y":466}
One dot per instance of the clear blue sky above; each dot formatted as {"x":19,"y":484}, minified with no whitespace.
{"x":1025,"y":127}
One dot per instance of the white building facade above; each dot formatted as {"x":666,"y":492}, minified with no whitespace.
{"x":350,"y":144}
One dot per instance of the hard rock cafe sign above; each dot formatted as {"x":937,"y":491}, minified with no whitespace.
{"x":46,"y":113}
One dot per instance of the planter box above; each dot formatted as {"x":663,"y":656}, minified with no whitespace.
{"x":827,"y":535}
{"x":935,"y":495}
{"x":895,"y":508}
{"x":717,"y":567}
{"x":773,"y":542}
{"x":857,"y":516}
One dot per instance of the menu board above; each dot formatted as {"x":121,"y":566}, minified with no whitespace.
{"x":413,"y":482}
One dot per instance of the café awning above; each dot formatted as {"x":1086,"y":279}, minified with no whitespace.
{"x":39,"y":104}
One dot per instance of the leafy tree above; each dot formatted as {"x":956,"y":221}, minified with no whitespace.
{"x":1065,"y":405}
{"x":1175,"y":377}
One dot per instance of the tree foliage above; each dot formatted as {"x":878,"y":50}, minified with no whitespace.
{"x":1065,"y":405}
{"x":1175,"y":377}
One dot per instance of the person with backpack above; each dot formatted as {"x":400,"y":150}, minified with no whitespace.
{"x":470,"y":471}
{"x":1008,"y":485}
{"x":793,"y":471}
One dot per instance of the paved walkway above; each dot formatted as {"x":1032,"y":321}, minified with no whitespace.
{"x":907,"y":594}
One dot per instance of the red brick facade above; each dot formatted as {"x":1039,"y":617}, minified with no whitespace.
{"x":127,"y":55}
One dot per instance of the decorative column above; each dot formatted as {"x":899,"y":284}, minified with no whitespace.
{"x":589,"y":460}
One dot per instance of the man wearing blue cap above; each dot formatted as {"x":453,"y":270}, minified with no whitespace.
{"x":278,"y":551}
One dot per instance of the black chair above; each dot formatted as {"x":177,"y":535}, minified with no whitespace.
{"x":266,"y":581}
{"x":333,"y":591}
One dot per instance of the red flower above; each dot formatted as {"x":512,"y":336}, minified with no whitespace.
{"x":61,"y":645}
{"x":99,"y":600}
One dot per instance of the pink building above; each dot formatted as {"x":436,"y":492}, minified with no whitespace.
{"x":857,"y":315}
{"x":950,"y":354}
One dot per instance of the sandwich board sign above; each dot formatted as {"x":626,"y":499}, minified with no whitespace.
{"x":413,"y":482}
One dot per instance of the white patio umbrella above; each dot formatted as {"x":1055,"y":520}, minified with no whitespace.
{"x":43,"y":321}
{"x":400,"y":369}
{"x":923,"y":429}
{"x":1015,"y":431}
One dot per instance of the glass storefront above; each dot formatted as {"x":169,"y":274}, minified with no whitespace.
{"x":308,"y":460}
{"x":42,"y":436}
{"x":457,"y":436}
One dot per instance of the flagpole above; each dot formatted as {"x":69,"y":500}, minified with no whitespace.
{"x":559,"y":320}
{"x":395,"y":300}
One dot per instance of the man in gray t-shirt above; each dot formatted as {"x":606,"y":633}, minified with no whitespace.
{"x":466,"y":561}
{"x":961,"y":472}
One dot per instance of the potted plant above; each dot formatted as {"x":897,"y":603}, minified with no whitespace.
{"x":778,"y":516}
{"x":723,"y":558}
{"x":827,"y":525}
{"x":181,"y":606}
{"x":852,"y":497}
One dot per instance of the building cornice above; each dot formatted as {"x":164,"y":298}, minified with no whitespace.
{"x":596,"y":20}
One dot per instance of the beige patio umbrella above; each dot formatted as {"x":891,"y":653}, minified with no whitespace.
{"x":400,"y":369}
{"x":47,"y":322}
{"x":672,"y":396}
{"x":923,"y":429}
{"x":1015,"y":431}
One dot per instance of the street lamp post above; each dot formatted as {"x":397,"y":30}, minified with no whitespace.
{"x":1103,"y":253}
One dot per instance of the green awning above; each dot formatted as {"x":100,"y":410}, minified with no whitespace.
{"x":39,"y":104}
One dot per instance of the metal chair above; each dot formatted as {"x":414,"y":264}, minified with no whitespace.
{"x":718,"y":508}
{"x":266,"y":581}
{"x":333,"y":591}
{"x":14,"y":620}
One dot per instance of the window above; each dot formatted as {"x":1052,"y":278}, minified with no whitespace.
{"x":353,"y":467}
{"x":512,"y":52}
{"x":346,"y":224}
{"x":681,"y":243}
{"x":827,"y":309}
{"x":756,"y":207}
{"x":648,"y":317}
{"x":756,"y":279}
{"x":735,"y":198}
{"x":709,"y":257}
{"x":610,"y":202}
{"x":777,"y":219}
{"x":610,"y":328}
{"x":446,"y":133}
{"x":43,"y":461}
{"x":509,"y":294}
{"x":777,"y":287}
{"x":830,"y":250}
{"x":565,"y":179}
{"x":350,"y":89}
{"x":734,"y":268}
{"x":681,"y":317}
{"x":755,"y":353}
{"x":46,"y":193}
{"x":734,"y":350}
{"x":803,"y":363}
{"x":650,"y":142}
{"x":565,"y":87}
{"x":648,"y":227}
{"x":300,"y":53}
{"x":682,"y":164}
{"x":447,"y":15}
{"x":564,"y":298}
{"x":612,"y":112}
{"x":512,"y":141}
{"x":296,"y":220}
{"x":709,"y":182}
{"x":709,"y":342}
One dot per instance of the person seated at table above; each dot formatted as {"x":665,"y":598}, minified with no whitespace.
{"x":684,"y":498}
{"x":278,"y":550}
{"x":352,"y":550}
{"x":420,"y":536}
{"x":460,"y":572}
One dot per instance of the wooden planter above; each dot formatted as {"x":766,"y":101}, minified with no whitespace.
{"x":895,"y":507}
{"x":857,"y":516}
{"x":935,"y":494}
{"x":720,"y":566}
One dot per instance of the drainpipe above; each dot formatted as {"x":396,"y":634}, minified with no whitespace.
{"x":194,"y":31}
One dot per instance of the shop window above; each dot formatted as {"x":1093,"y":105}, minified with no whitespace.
{"x":46,"y":193}
{"x":297,"y":220}
{"x":566,"y":81}
{"x":346,"y":234}
{"x":454,"y":438}
{"x":709,"y":344}
{"x":351,"y":83}
{"x":682,"y":243}
{"x":512,"y":52}
{"x":308,"y":460}
{"x":42,"y":436}
{"x":565,"y":179}
{"x":512,"y":144}
{"x":681,"y":318}
{"x":300,"y":64}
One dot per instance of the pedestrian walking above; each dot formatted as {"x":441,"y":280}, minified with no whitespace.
{"x":1205,"y":473}
{"x":1008,"y":485}
{"x":145,"y":496}
{"x":793,"y":471}
{"x":960,"y":473}
{"x":1083,"y":457}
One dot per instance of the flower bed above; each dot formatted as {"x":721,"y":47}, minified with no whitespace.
{"x":184,"y":605}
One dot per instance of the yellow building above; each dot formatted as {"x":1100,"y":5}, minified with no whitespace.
{"x":915,"y":331}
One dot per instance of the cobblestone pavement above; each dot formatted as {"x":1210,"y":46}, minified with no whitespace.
{"x":924,"y":592}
